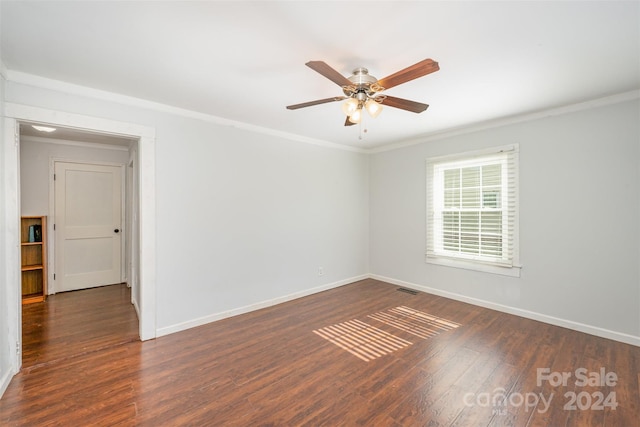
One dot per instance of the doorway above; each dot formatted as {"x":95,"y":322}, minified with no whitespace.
{"x":83,"y":212}
{"x":16,"y":114}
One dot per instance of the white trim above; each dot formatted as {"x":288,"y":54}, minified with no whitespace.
{"x":77,"y":121}
{"x":135,"y":306}
{"x":497,"y":123}
{"x":257,"y":306}
{"x":512,"y":271}
{"x":556,"y":321}
{"x":60,"y":86}
{"x":133,"y":242}
{"x":12,"y":275}
{"x":146,"y":171}
{"x":147,"y":235}
{"x":5,"y":381}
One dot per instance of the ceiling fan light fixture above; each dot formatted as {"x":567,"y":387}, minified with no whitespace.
{"x":373,"y":107}
{"x":350,"y":106}
{"x":356,"y":116}
{"x":40,"y":128}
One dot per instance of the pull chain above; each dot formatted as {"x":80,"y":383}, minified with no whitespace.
{"x":361,"y":131}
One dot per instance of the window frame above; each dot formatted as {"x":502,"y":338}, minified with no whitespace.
{"x":507,"y":264}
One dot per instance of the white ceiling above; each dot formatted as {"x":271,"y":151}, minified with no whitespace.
{"x":244,"y":61}
{"x":73,"y":136}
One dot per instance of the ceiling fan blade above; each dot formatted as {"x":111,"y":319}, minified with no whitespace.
{"x":319,"y":101}
{"x":405,"y":104}
{"x":420,"y":69}
{"x":324,"y":69}
{"x":348,"y":122}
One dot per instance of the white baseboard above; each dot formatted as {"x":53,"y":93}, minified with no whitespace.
{"x":5,"y":380}
{"x":577,"y":326}
{"x":257,"y":306}
{"x":569,"y":324}
{"x":135,"y":306}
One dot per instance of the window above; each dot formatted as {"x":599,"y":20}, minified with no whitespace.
{"x":472,"y":210}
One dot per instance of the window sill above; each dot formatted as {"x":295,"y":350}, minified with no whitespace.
{"x":475,"y":266}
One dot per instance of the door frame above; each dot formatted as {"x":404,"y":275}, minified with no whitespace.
{"x":16,"y":113}
{"x":52,"y":240}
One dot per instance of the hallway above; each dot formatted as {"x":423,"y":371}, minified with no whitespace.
{"x":71,"y":324}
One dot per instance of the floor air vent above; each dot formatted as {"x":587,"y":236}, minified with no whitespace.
{"x":408,"y":291}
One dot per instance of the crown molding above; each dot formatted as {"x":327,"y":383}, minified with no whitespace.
{"x":60,"y":86}
{"x":505,"y":121}
{"x":70,"y":88}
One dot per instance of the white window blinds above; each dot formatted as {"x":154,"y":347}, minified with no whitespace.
{"x":472,"y":207}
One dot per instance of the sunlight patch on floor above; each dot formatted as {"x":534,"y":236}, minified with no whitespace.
{"x":361,"y":339}
{"x":422,"y":325}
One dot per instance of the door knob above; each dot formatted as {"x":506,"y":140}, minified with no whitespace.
{"x":117,"y":230}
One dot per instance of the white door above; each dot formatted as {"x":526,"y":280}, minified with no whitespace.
{"x":88,"y":225}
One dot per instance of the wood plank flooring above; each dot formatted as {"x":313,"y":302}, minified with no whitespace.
{"x":69,"y":324}
{"x":268,"y":368}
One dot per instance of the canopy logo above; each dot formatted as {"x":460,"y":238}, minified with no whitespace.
{"x":501,"y":401}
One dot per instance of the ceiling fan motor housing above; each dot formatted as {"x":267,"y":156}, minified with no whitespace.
{"x":362,"y":77}
{"x":363,"y":85}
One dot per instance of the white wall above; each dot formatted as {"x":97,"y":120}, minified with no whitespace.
{"x":243,"y":218}
{"x":35,"y":157}
{"x":579,"y":214}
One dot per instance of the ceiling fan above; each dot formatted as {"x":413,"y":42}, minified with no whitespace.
{"x":362,"y":90}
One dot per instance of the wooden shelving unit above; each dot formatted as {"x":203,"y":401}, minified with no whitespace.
{"x":34,"y":260}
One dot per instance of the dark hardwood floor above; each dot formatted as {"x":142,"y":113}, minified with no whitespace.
{"x":73,"y":323}
{"x":362,"y":354}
